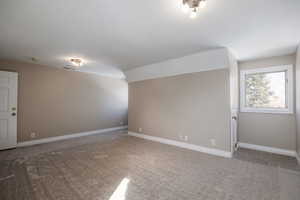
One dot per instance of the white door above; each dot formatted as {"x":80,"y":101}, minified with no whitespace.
{"x":8,"y":109}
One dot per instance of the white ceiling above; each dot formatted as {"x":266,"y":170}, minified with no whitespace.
{"x":115,"y":35}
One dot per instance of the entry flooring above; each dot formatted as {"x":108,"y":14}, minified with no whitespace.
{"x":115,"y":166}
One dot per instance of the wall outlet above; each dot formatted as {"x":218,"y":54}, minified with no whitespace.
{"x":121,"y":123}
{"x":186,"y":138}
{"x":183,"y":137}
{"x":32,"y":135}
{"x":140,"y":130}
{"x":213,"y":142}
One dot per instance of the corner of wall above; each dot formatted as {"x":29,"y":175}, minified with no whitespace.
{"x":297,"y":67}
{"x":234,"y":81}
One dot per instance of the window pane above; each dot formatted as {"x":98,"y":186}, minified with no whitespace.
{"x":266,"y":90}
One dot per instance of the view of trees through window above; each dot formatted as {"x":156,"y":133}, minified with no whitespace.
{"x":266,"y":90}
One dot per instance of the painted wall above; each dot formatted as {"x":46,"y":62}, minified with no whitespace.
{"x":202,"y":61}
{"x":196,"y":105}
{"x":272,"y":130}
{"x":298,"y":100}
{"x":54,"y":102}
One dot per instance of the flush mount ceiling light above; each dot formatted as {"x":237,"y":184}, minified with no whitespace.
{"x":192,"y":6}
{"x":73,"y":63}
{"x":76,"y":62}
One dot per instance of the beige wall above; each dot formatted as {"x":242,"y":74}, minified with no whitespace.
{"x":196,"y":105}
{"x":53,"y":102}
{"x":273,"y":130}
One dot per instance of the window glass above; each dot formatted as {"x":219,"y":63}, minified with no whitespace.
{"x":266,"y":90}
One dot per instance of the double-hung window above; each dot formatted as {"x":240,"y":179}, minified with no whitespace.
{"x":267,"y":90}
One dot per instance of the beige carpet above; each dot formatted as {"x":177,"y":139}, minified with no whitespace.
{"x":119,"y":167}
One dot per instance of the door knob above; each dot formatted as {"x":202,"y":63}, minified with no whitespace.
{"x":234,"y":117}
{"x":13,"y":114}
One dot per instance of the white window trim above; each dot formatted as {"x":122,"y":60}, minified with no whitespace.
{"x":290,"y":90}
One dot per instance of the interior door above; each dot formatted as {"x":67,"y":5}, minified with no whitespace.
{"x":8,"y":109}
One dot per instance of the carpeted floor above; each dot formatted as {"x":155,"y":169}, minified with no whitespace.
{"x":116,"y":166}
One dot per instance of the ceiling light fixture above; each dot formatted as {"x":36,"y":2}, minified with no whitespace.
{"x":192,"y":5}
{"x":76,"y":62}
{"x":185,"y":8}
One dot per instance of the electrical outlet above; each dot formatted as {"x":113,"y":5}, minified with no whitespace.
{"x":32,"y":135}
{"x":121,"y":123}
{"x":186,"y":138}
{"x":140,"y":130}
{"x":213,"y":142}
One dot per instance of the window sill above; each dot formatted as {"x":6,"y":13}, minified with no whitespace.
{"x":267,"y":111}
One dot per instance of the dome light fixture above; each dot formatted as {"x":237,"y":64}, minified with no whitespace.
{"x":76,"y":62}
{"x":192,"y":6}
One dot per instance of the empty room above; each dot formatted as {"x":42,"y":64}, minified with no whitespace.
{"x":150,"y":100}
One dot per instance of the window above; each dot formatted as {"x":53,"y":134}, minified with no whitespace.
{"x":267,"y":90}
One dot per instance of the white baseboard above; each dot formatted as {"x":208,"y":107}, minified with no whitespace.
{"x":279,"y":151}
{"x":69,"y":136}
{"x":207,"y":150}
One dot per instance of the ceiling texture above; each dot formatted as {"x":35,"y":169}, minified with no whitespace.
{"x":112,"y":36}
